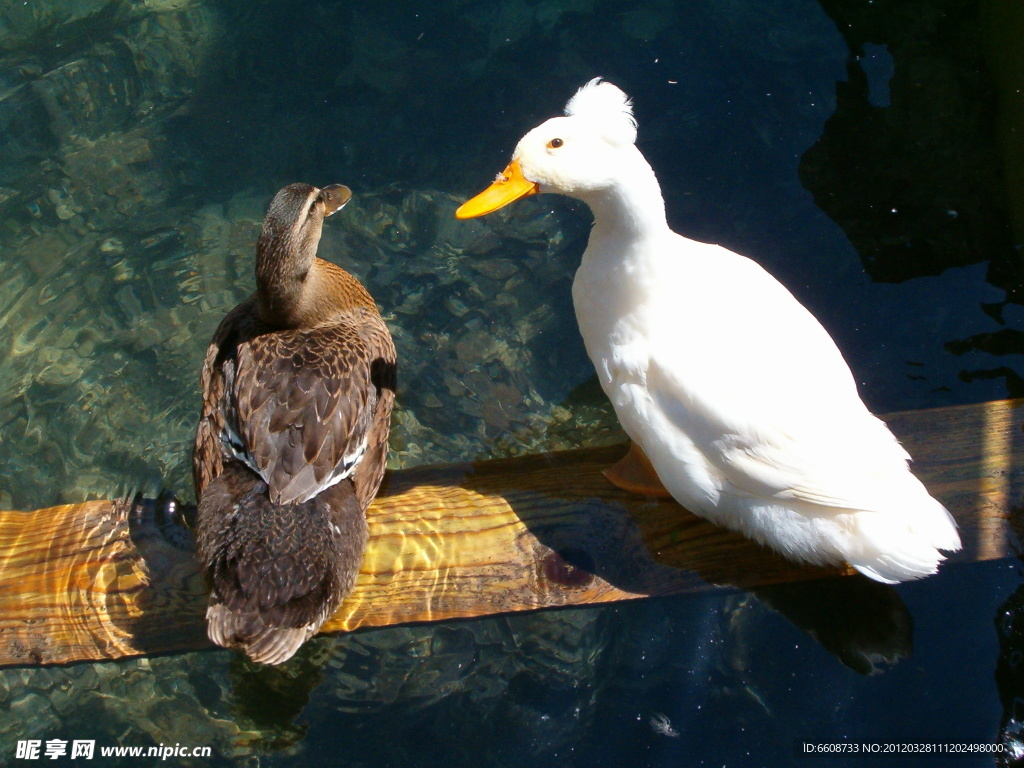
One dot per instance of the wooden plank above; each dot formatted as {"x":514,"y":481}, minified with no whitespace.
{"x":101,"y":580}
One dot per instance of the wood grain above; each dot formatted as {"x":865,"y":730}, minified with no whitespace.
{"x":105,"y":579}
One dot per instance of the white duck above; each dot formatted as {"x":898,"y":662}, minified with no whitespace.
{"x":737,"y":395}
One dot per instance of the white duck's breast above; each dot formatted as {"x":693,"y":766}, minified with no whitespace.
{"x":611,"y":295}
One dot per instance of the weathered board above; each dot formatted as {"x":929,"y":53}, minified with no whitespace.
{"x":104,"y":580}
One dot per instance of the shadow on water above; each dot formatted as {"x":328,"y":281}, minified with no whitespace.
{"x":658,"y":548}
{"x":918,"y":103}
{"x":907,"y":165}
{"x":171,"y":610}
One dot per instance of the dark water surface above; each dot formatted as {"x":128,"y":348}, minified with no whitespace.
{"x":867,"y":153}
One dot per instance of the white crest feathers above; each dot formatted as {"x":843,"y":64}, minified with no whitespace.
{"x":605,"y":105}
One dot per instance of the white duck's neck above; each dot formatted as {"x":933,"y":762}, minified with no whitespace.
{"x":632,"y":209}
{"x":620,"y":264}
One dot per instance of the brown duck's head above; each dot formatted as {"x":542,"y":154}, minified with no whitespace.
{"x":288,"y":242}
{"x":294,"y":220}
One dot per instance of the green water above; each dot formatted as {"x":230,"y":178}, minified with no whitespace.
{"x":865,"y":153}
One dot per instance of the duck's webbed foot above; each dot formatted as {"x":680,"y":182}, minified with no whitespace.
{"x":635,"y":474}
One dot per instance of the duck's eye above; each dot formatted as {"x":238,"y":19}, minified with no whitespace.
{"x":555,"y":143}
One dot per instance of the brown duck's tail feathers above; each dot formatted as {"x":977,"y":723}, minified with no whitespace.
{"x":261,"y":643}
{"x":277,"y":572}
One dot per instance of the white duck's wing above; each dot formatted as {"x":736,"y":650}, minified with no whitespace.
{"x":742,"y":377}
{"x":757,"y":384}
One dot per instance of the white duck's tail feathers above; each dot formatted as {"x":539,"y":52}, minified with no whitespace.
{"x":892,"y":548}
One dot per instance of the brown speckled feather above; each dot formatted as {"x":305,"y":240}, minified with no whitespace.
{"x":305,"y":402}
{"x":303,"y":406}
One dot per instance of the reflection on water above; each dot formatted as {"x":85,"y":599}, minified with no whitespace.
{"x":849,"y":147}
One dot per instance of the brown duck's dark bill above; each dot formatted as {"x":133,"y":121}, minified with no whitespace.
{"x":510,"y":185}
{"x":335,"y":196}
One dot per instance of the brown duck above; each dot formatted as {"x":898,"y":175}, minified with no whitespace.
{"x":298,"y":386}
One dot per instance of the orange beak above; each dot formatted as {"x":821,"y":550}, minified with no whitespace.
{"x":510,"y":185}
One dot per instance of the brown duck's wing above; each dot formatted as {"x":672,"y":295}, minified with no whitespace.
{"x":218,"y":370}
{"x":306,"y":401}
{"x":370,"y":471}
